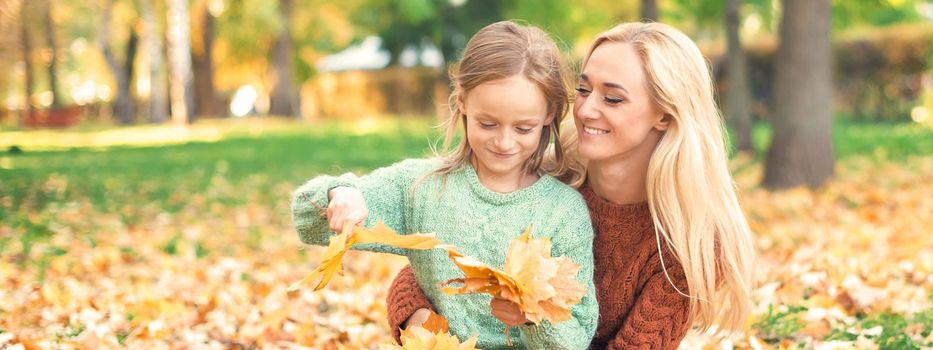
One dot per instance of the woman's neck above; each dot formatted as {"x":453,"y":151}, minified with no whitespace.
{"x":619,"y":181}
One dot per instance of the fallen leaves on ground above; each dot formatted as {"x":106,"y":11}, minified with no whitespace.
{"x":848,"y":265}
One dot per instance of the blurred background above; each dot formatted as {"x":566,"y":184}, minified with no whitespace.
{"x":148,"y":149}
{"x":121,"y":61}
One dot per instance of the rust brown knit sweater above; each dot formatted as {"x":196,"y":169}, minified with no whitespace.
{"x":638,"y":306}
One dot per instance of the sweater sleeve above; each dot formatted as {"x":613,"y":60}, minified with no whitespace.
{"x":574,"y":240}
{"x":658,"y":319}
{"x":385,"y":190}
{"x":403,"y":299}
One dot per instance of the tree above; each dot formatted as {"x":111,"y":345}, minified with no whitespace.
{"x":179,"y":52}
{"x":738,"y":98}
{"x":53,"y":60}
{"x":152,"y":44}
{"x":27,"y":52}
{"x":283,"y":96}
{"x":202,"y":58}
{"x":649,"y":10}
{"x":445,"y":24}
{"x":801,"y":149}
{"x":122,"y":72}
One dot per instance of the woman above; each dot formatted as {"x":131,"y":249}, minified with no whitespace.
{"x":672,"y":247}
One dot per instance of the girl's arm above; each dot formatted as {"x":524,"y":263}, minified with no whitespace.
{"x":575,"y":241}
{"x":403,"y":299}
{"x":386,"y":192}
{"x":658,"y":320}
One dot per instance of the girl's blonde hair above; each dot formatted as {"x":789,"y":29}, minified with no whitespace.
{"x":691,"y":195}
{"x":502,"y":50}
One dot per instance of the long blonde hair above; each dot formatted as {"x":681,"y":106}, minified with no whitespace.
{"x":691,"y":195}
{"x":501,"y":50}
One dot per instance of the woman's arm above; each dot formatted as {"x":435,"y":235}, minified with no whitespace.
{"x":658,"y":320}
{"x":405,"y":297}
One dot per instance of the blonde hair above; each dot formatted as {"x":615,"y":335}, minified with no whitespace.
{"x":501,"y":50}
{"x":691,"y":195}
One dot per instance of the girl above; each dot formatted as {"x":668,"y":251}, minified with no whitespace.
{"x":510,"y":95}
{"x":672,"y":246}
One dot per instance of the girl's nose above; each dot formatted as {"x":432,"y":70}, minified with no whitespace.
{"x":505,"y":141}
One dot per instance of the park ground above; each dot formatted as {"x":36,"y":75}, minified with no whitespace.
{"x":160,"y":237}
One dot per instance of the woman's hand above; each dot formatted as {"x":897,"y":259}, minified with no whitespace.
{"x":507,"y":312}
{"x":347,"y":207}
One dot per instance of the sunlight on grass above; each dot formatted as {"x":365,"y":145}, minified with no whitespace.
{"x":211,"y":130}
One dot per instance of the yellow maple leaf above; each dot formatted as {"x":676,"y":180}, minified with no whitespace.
{"x":544,"y":287}
{"x":436,"y":323}
{"x":339,"y":244}
{"x":419,"y":338}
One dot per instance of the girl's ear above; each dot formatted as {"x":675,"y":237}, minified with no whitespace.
{"x":461,"y":106}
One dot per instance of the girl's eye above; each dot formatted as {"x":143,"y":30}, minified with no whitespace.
{"x":614,"y":101}
{"x":524,"y":130}
{"x":582,"y":91}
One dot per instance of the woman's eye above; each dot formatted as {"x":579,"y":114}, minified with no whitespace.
{"x":582,"y":91}
{"x":614,"y":101}
{"x":486,"y":125}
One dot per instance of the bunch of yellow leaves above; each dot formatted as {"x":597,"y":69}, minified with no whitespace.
{"x":418,"y":338}
{"x":340,"y":243}
{"x":544,"y":287}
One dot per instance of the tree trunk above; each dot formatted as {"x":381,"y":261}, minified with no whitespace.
{"x":738,"y":99}
{"x":801,"y":150}
{"x":123,"y":105}
{"x":179,"y":52}
{"x":203,"y":60}
{"x":152,"y":43}
{"x":129,"y":62}
{"x":27,"y":52}
{"x":52,"y":66}
{"x":649,"y":10}
{"x":284,"y":97}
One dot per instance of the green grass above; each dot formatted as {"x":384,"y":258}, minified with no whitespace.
{"x":121,"y":179}
{"x":893,"y":329}
{"x":115,"y":176}
{"x":775,"y":326}
{"x":132,"y":180}
{"x":880,"y":141}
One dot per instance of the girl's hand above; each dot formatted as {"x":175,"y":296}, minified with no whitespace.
{"x":418,"y":318}
{"x":507,"y":312}
{"x":346,"y":207}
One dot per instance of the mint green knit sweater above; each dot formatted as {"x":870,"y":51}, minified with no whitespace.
{"x":480,"y":223}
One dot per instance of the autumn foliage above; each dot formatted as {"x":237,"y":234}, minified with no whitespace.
{"x":544,"y":287}
{"x":162,"y":261}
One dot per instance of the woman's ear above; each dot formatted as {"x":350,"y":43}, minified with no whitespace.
{"x":663,"y":122}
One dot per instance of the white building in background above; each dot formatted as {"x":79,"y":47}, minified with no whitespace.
{"x":369,"y":54}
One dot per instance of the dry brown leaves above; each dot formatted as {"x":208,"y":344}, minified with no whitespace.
{"x":339,"y":245}
{"x":418,"y":338}
{"x":855,"y":248}
{"x":543,"y":286}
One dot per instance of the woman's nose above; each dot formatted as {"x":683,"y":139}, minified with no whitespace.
{"x":584,"y":109}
